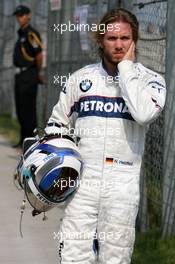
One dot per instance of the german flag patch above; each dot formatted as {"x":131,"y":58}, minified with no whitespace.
{"x":109,"y":160}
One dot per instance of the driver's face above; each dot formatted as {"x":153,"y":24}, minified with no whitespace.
{"x":116,"y":41}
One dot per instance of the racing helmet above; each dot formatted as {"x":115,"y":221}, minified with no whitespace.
{"x":49,"y":171}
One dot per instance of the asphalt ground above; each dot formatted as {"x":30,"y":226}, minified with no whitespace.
{"x":39,"y":244}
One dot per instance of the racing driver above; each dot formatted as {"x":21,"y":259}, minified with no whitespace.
{"x":109,"y":105}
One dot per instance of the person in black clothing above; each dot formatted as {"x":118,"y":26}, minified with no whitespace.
{"x":27,"y":58}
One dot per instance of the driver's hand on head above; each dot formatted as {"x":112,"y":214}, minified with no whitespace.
{"x":130,"y":55}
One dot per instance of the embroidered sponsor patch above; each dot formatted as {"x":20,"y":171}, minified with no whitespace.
{"x":117,"y":161}
{"x":22,"y":40}
{"x":157,"y":85}
{"x":85,"y":85}
{"x":123,"y":162}
{"x":101,"y":106}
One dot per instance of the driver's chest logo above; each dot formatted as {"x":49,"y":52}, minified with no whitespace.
{"x":85,"y":85}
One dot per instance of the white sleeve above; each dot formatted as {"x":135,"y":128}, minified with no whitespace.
{"x":62,"y":118}
{"x":144,"y":95}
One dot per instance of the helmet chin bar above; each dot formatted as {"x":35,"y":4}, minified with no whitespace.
{"x":36,"y":199}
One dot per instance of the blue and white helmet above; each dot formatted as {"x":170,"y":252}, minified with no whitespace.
{"x":49,"y":172}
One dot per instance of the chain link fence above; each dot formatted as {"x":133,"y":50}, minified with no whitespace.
{"x":168,"y":216}
{"x":151,"y":52}
{"x":7,"y":36}
{"x":69,"y":50}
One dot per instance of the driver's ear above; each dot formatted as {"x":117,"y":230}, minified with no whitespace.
{"x":29,"y":16}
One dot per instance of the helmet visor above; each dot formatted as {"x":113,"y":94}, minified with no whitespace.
{"x":64,"y":183}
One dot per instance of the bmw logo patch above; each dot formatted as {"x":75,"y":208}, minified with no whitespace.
{"x":85,"y":85}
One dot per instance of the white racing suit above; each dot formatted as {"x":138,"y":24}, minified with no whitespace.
{"x":109,"y":116}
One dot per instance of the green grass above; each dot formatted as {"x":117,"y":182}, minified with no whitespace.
{"x":9,"y":128}
{"x":151,"y":249}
